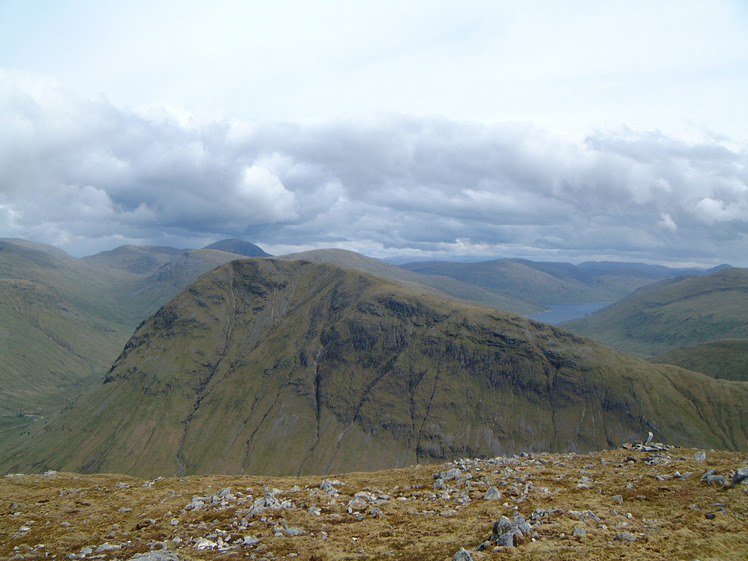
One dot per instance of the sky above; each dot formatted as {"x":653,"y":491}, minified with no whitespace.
{"x":548,"y":130}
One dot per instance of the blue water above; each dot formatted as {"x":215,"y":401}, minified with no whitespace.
{"x":566,"y":312}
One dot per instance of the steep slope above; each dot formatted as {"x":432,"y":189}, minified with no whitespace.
{"x":672,"y":314}
{"x":552,"y":283}
{"x":279,"y":366}
{"x":441,"y":286}
{"x":727,"y":359}
{"x":56,"y":327}
{"x":63,"y":320}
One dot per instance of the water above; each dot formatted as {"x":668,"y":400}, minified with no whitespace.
{"x":565,"y":312}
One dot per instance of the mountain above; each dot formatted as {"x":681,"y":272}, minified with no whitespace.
{"x":280,"y":366}
{"x":64,"y":320}
{"x":727,"y":358}
{"x":139,"y":260}
{"x":673,"y":313}
{"x":553,"y":283}
{"x":441,"y":286}
{"x":238,"y":247}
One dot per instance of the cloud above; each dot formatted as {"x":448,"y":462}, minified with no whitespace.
{"x":87,"y":176}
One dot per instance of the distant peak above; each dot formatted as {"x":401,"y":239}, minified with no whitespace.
{"x":239,"y":247}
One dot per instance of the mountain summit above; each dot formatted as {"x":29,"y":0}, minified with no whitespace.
{"x":281,"y":367}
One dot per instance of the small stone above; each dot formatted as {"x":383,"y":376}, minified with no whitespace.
{"x":203,"y":543}
{"x":106,"y":547}
{"x":462,"y":555}
{"x":161,"y":555}
{"x":717,"y":479}
{"x":295,"y":531}
{"x":450,"y":474}
{"x":579,"y":531}
{"x":375,"y":512}
{"x":492,"y":494}
{"x":700,"y":456}
{"x":502,"y":525}
{"x":506,"y":540}
{"x":625,"y":537}
{"x":618,"y":499}
{"x":250,"y":540}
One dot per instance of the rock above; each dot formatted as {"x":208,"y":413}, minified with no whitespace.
{"x":156,"y":556}
{"x":502,"y":526}
{"x":506,"y":531}
{"x":106,"y":547}
{"x":462,"y":555}
{"x":449,"y":475}
{"x":329,"y":486}
{"x":375,"y":512}
{"x":700,"y":456}
{"x":505,"y":540}
{"x":203,"y":543}
{"x":625,"y":537}
{"x":618,"y":499}
{"x":356,"y":503}
{"x":268,"y":502}
{"x":295,"y":531}
{"x":492,"y":494}
{"x":195,"y":504}
{"x":579,"y":531}
{"x":741,"y":476}
{"x":250,"y":540}
{"x":717,"y":479}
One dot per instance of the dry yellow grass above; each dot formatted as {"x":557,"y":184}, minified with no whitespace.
{"x":659,"y":498}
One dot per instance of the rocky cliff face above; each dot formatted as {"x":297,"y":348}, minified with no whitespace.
{"x":283,"y":367}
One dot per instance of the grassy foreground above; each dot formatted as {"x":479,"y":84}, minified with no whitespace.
{"x":618,"y":504}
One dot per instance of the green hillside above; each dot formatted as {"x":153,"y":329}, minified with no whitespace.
{"x":727,"y":359}
{"x":673,"y":314}
{"x":63,"y":320}
{"x":280,"y":366}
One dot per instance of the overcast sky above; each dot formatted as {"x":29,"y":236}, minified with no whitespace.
{"x":550,"y":130}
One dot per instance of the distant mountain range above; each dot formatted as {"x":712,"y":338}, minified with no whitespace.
{"x":287,"y":366}
{"x":548,"y":284}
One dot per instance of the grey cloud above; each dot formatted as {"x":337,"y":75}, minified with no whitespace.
{"x":89,"y":175}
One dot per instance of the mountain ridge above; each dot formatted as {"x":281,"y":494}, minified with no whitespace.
{"x":280,"y":367}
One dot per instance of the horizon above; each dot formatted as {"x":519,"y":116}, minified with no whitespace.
{"x":399,"y":261}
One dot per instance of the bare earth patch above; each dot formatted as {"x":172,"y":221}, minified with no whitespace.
{"x":619,"y":504}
